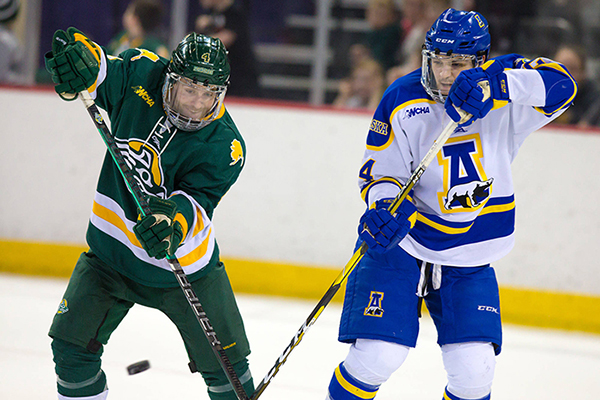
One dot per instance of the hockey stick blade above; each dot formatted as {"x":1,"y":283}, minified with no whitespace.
{"x":142,"y":202}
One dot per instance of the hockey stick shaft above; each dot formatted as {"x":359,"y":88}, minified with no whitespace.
{"x":358,"y":254}
{"x":142,"y":202}
{"x":354,"y":260}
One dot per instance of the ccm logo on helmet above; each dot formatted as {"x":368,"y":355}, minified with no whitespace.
{"x":442,"y":40}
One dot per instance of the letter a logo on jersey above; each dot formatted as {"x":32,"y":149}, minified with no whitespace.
{"x":466,"y":186}
{"x":374,"y":308}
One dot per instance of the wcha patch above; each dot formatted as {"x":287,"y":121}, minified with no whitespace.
{"x":374,"y":308}
{"x":62,"y":307}
{"x":143,"y":93}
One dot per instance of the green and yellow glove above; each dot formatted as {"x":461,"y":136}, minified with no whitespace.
{"x":159,"y":233}
{"x":73,"y":62}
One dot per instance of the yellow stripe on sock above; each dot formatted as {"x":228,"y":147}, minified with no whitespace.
{"x":363,"y":394}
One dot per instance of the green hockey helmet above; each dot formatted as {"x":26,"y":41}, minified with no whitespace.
{"x":196,"y":82}
{"x":202,"y":59}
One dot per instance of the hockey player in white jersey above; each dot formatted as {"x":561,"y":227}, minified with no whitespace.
{"x":458,"y":218}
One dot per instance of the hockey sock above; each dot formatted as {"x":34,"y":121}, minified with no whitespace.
{"x":218,"y":385}
{"x":344,"y":386}
{"x":78,"y":371}
{"x":450,"y":396}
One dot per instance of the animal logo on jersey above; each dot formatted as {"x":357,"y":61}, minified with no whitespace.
{"x":468,"y":195}
{"x":237,"y":152}
{"x":465,"y":184}
{"x":143,"y":159}
{"x":374,"y":308}
{"x":62,"y":307}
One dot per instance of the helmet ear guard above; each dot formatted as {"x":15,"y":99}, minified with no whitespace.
{"x":457,"y":34}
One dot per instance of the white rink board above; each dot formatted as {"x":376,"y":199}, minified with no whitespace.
{"x":297,"y":199}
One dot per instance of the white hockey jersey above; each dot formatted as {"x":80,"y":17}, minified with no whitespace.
{"x":465,"y":197}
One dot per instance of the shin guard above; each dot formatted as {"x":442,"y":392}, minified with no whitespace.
{"x":218,"y":385}
{"x":78,"y":372}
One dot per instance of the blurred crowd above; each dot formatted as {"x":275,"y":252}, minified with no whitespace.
{"x":389,"y":48}
{"x":392,"y":46}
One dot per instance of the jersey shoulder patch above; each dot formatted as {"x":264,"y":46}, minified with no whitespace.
{"x":407,"y":96}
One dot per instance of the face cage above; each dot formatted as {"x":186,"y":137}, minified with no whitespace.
{"x":180,"y":120}
{"x":428,"y":78}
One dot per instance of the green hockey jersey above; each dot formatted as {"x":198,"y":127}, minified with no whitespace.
{"x":194,"y":169}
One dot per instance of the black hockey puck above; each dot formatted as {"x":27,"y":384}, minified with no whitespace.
{"x":138,"y":367}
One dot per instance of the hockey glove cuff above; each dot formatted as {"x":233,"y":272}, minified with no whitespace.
{"x":73,"y":62}
{"x":159,"y":234}
{"x":466,"y":93}
{"x":381,"y":230}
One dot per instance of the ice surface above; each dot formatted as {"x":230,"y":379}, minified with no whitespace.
{"x":534,"y":364}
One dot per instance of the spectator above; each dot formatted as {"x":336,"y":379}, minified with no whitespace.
{"x":228,"y":21}
{"x":10,"y":51}
{"x":418,"y":15}
{"x":364,"y":87}
{"x":141,"y":21}
{"x":385,"y":34}
{"x":585,"y":110}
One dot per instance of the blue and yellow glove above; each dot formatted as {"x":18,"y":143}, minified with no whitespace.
{"x":159,"y":234}
{"x":467,"y":95}
{"x":73,"y":63}
{"x":381,"y":230}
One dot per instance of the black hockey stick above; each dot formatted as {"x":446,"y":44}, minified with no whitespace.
{"x":358,"y":254}
{"x":142,"y":202}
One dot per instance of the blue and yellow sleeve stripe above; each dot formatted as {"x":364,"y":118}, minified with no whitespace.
{"x":561,"y":88}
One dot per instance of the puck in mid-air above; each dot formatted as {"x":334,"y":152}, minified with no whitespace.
{"x":138,"y":367}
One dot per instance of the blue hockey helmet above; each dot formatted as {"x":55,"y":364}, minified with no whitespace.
{"x":458,"y":34}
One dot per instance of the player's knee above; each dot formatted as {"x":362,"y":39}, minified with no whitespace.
{"x":470,"y":368}
{"x":374,"y":361}
{"x":369,"y":363}
{"x":78,"y":372}
{"x":219,"y":387}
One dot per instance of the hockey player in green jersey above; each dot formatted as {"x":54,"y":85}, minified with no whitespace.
{"x":169,"y":121}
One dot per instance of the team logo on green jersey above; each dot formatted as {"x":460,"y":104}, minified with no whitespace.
{"x":143,"y":158}
{"x":237,"y":153}
{"x":62,"y":308}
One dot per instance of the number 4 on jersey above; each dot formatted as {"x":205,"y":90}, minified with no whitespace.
{"x":365,"y":170}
